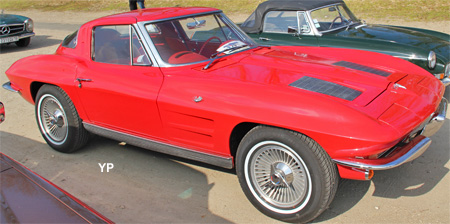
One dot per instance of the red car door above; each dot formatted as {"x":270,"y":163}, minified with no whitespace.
{"x":119,"y":87}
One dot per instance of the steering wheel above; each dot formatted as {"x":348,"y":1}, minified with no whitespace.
{"x":334,"y":20}
{"x":207,"y":41}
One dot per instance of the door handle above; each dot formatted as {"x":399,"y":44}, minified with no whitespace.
{"x":80,"y":80}
{"x":264,"y":38}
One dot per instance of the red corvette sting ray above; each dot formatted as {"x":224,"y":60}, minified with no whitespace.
{"x":188,"y":82}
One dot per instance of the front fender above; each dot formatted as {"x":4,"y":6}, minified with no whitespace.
{"x":29,"y":73}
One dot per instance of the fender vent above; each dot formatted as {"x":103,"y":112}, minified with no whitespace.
{"x":325,"y":87}
{"x":363,"y":68}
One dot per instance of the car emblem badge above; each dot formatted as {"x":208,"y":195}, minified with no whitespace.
{"x":396,"y":86}
{"x":5,"y":30}
{"x":198,"y":99}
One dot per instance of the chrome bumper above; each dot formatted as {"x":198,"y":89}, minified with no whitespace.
{"x":25,"y":35}
{"x":437,"y":119}
{"x":446,"y":81}
{"x":405,"y":153}
{"x":8,"y":87}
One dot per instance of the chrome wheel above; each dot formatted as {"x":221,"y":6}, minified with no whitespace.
{"x":278,"y":177}
{"x":52,"y":119}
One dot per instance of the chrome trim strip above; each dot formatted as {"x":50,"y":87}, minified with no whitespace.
{"x":412,"y":154}
{"x":8,"y":87}
{"x":225,"y":162}
{"x":15,"y":24}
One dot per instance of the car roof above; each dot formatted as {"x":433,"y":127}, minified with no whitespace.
{"x":283,"y":5}
{"x":155,"y":14}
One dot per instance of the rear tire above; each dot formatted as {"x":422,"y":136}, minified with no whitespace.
{"x":24,"y":42}
{"x":285,"y":175}
{"x":58,"y":120}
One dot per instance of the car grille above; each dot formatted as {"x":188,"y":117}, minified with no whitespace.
{"x":325,"y":87}
{"x":362,"y":68}
{"x":7,"y":30}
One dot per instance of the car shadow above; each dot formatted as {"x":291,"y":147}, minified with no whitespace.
{"x":37,"y":42}
{"x":409,"y":180}
{"x":143,"y":186}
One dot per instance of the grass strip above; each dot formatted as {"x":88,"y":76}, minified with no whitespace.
{"x":408,"y":10}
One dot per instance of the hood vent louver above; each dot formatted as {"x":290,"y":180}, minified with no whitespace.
{"x":363,"y":68}
{"x":325,"y":87}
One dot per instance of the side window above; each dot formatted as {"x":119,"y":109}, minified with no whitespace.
{"x":280,"y":21}
{"x":71,"y":40}
{"x":111,"y":44}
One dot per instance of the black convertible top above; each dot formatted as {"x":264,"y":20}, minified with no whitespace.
{"x":253,"y":24}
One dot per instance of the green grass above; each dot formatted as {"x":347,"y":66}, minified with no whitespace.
{"x":409,"y":10}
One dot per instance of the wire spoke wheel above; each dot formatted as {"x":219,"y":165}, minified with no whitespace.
{"x":277,"y":175}
{"x":58,"y":120}
{"x":52,"y":119}
{"x":285,"y":174}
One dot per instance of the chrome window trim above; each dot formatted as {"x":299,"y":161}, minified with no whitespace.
{"x":317,"y":32}
{"x":307,"y":19}
{"x":265,"y":16}
{"x":140,"y":36}
{"x":153,"y":52}
{"x":181,"y":17}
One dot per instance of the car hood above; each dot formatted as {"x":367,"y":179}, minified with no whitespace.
{"x":350,"y":77}
{"x":11,"y":19}
{"x":399,"y":35}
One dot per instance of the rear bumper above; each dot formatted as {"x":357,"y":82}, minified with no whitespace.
{"x":404,"y":152}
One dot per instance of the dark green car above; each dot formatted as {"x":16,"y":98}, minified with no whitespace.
{"x":330,"y":23}
{"x":15,"y":29}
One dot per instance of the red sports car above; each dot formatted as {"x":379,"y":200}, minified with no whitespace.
{"x":188,"y":82}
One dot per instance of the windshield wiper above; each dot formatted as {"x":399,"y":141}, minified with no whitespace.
{"x":214,"y":56}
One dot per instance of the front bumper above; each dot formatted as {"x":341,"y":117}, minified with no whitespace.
{"x":446,"y":81}
{"x":444,"y":76}
{"x":8,"y":86}
{"x":405,"y":152}
{"x":15,"y":38}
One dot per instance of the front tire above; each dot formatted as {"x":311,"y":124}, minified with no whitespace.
{"x":24,"y":42}
{"x":285,"y":174}
{"x":58,"y":120}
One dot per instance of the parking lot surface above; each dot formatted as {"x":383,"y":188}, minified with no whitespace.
{"x":144,"y":186}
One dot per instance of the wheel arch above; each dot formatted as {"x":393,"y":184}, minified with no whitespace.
{"x":240,"y":130}
{"x":34,"y":88}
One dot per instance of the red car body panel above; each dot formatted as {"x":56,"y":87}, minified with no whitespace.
{"x":253,"y":86}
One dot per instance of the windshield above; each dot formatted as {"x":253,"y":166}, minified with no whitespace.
{"x":194,"y":39}
{"x":332,"y":18}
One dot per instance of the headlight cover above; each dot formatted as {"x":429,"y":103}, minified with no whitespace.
{"x":29,"y":25}
{"x":431,"y":60}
